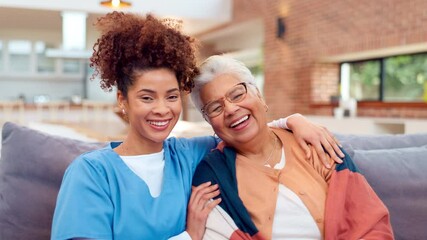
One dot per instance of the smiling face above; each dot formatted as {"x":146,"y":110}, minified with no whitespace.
{"x":153,"y":106}
{"x":241,"y":122}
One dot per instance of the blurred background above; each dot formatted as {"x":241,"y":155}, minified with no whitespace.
{"x":354,"y":66}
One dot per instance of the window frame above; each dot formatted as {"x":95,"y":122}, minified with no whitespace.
{"x":382,"y":76}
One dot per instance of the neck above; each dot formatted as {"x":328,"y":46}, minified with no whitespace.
{"x":259,"y":148}
{"x":132,"y":146}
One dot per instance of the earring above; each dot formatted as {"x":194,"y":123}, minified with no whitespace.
{"x":123,"y":111}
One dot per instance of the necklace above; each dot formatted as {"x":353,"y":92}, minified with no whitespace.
{"x":272,"y":151}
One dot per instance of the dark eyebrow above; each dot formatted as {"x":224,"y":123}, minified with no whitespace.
{"x":152,"y":91}
{"x":173,"y":90}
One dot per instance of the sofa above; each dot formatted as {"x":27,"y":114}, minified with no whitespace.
{"x":32,"y":165}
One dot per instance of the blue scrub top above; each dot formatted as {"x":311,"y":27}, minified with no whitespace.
{"x":102,"y":198}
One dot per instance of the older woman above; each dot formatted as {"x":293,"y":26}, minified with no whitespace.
{"x":269,"y":190}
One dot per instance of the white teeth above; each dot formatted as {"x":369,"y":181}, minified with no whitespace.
{"x":240,"y":121}
{"x":162,"y":123}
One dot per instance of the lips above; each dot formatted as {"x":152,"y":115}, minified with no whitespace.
{"x":159,"y":124}
{"x":239,"y":121}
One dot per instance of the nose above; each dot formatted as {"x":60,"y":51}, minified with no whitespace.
{"x":161,"y":108}
{"x":230,"y":108}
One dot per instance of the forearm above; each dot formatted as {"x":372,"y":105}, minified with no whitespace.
{"x":283,"y":123}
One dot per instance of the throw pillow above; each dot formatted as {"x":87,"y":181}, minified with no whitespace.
{"x":31,"y":168}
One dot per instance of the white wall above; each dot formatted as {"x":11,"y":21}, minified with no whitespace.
{"x":57,"y":86}
{"x":94,"y":92}
{"x":56,"y":89}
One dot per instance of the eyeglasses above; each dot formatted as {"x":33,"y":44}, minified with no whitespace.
{"x":234,"y":95}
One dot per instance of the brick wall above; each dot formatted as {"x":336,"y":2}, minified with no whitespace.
{"x":296,"y":77}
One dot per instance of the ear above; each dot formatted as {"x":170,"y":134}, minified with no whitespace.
{"x":121,"y":99}
{"x":206,"y":119}
{"x":259,"y":95}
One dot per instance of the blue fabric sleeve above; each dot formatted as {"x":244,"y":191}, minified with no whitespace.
{"x":200,"y":146}
{"x":85,"y":188}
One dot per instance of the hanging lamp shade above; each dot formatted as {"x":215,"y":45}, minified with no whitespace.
{"x":116,"y":4}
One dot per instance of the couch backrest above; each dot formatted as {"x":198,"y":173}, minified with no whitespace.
{"x":32,"y":164}
{"x":396,"y":168}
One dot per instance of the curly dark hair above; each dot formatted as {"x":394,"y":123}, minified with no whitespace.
{"x":130,"y":43}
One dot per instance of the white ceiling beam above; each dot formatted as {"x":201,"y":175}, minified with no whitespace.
{"x":219,"y":10}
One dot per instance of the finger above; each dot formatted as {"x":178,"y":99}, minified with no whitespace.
{"x":211,"y":205}
{"x":330,"y":150}
{"x":202,"y":195}
{"x":211,"y":195}
{"x":330,"y":134}
{"x":333,"y":153}
{"x":337,"y":148}
{"x":203,"y":185}
{"x":195,"y":190}
{"x":305,"y":147}
{"x":207,"y":194}
{"x":334,"y":142}
{"x":322,"y":155}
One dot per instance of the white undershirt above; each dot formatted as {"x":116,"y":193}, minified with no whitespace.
{"x":292,"y":220}
{"x":148,"y":167}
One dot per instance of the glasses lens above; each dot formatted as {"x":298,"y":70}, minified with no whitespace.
{"x":234,"y":95}
{"x":214,"y":108}
{"x":237,"y":93}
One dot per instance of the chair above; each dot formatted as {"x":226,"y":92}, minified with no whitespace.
{"x":54,"y":108}
{"x":97,"y":110}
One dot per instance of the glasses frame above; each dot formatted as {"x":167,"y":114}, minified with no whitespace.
{"x":222,"y":101}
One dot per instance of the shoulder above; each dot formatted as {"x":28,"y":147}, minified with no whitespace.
{"x":215,"y":164}
{"x":190,"y":142}
{"x":284,"y":134}
{"x":96,"y":159}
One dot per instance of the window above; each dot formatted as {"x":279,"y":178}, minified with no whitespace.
{"x":365,"y":80}
{"x":405,"y":77}
{"x":19,"y":56}
{"x":44,"y":64}
{"x":71,"y":66}
{"x":394,"y":79}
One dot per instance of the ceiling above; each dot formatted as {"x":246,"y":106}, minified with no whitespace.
{"x":209,"y":20}
{"x":202,"y":16}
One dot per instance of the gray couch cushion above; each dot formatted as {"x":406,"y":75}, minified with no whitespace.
{"x":31,"y":168}
{"x":382,"y":141}
{"x":399,"y":177}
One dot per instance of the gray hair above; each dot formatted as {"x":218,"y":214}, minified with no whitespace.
{"x":215,"y":66}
